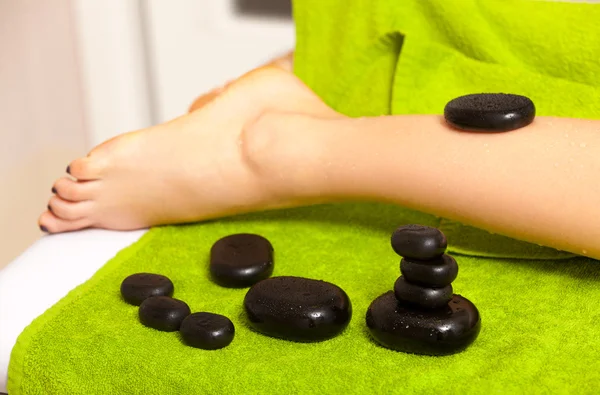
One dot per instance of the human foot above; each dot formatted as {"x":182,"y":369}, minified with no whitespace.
{"x":189,"y":169}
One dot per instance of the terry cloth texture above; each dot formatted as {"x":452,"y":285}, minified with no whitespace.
{"x":539,"y":306}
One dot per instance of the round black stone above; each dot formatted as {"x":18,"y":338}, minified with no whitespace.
{"x":298,"y":309}
{"x":207,"y":331}
{"x":419,"y":242}
{"x":241,"y":260}
{"x":437,"y":272}
{"x":424,"y":297}
{"x":140,"y":286}
{"x":489,"y":112}
{"x":434,"y":332}
{"x":163,"y":313}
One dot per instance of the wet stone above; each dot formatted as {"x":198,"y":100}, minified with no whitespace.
{"x":207,"y":331}
{"x":489,"y":112}
{"x":140,"y":286}
{"x":163,"y":313}
{"x":437,"y":272}
{"x":297,"y":309}
{"x":241,"y":260}
{"x":443,"y":331}
{"x":419,"y":296}
{"x":419,"y":242}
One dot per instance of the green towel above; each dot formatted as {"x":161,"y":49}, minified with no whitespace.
{"x":539,"y":306}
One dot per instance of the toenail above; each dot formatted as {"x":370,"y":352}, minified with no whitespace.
{"x":69,"y":169}
{"x":49,"y":208}
{"x":54,"y":190}
{"x":43,"y":229}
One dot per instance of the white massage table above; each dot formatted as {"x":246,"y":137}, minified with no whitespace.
{"x":45,"y":273}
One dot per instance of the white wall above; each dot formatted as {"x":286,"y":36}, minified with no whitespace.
{"x":41,"y":121}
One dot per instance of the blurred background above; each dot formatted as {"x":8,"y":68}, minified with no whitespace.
{"x":74,"y":73}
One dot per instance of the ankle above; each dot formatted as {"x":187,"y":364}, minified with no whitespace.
{"x":287,"y":155}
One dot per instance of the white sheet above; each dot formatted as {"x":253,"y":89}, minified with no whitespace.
{"x":45,"y":273}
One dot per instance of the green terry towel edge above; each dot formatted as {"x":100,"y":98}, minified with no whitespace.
{"x":18,"y":357}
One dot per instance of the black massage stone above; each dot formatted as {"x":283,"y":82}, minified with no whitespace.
{"x":489,"y":112}
{"x":140,"y":286}
{"x":419,"y":296}
{"x":163,"y":313}
{"x":207,"y":331}
{"x":442,"y":331}
{"x":241,"y":260}
{"x":298,"y":309}
{"x":419,"y":242}
{"x":437,"y":272}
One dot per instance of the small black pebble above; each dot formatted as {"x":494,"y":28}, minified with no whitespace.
{"x":163,"y":313}
{"x":419,"y":242}
{"x":435,"y":332}
{"x":140,"y":286}
{"x":416,"y":295}
{"x":437,"y":272}
{"x":241,"y":260}
{"x":489,"y":112}
{"x":207,"y":331}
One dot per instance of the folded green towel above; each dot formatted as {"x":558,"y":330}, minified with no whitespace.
{"x":539,"y":306}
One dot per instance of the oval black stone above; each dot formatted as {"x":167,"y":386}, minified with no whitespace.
{"x":419,"y":242}
{"x":241,"y":260}
{"x":207,"y":331}
{"x":417,"y":295}
{"x":140,"y":286}
{"x":435,"y":332}
{"x":489,"y":112}
{"x":163,"y":313}
{"x":298,"y":309}
{"x":437,"y":272}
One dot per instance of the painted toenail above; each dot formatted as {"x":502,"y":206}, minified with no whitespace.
{"x":54,"y":190}
{"x":69,"y":169}
{"x":49,"y":208}
{"x":43,"y":229}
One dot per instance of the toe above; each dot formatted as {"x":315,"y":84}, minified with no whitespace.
{"x":75,"y":191}
{"x":70,"y":210}
{"x":88,"y":168}
{"x":50,"y":223}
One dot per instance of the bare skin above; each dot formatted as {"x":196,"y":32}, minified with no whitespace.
{"x":231,"y":155}
{"x":188,"y":169}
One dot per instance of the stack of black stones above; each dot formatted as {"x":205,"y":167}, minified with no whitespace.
{"x":422,"y":315}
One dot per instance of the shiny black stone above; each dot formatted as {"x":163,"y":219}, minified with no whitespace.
{"x":241,"y":260}
{"x":437,"y":272}
{"x":419,"y":242}
{"x":140,"y":286}
{"x":163,"y":313}
{"x":489,"y":112}
{"x":298,"y":309}
{"x":428,"y":298}
{"x":442,"y":331}
{"x":207,"y":331}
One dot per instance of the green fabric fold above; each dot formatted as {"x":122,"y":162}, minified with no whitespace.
{"x":539,"y":306}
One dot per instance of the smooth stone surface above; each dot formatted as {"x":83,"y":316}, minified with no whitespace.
{"x":489,"y":112}
{"x":207,"y":331}
{"x":436,"y":332}
{"x":419,"y":242}
{"x":140,"y":286}
{"x":437,"y":272}
{"x":428,"y":298}
{"x":241,"y":260}
{"x":298,"y":309}
{"x":163,"y":313}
